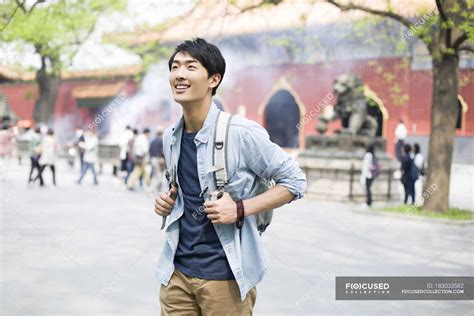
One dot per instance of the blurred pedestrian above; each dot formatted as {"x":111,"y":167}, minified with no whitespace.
{"x":124,"y":139}
{"x":25,"y":135}
{"x":419,"y":161}
{"x":78,"y":138}
{"x":400,"y":135}
{"x":409,"y":174}
{"x":91,"y":154}
{"x":130,"y":160}
{"x":157,"y":159}
{"x":34,"y":150}
{"x":141,"y":158}
{"x":370,"y":170}
{"x":49,"y":147}
{"x":7,"y":140}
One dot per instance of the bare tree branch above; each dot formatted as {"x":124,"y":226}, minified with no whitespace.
{"x":34,"y":5}
{"x":22,"y":6}
{"x":443,"y":16}
{"x":467,"y":47}
{"x":257,"y":5}
{"x":441,"y":10}
{"x":392,"y":15}
{"x":459,"y":40}
{"x":9,"y":19}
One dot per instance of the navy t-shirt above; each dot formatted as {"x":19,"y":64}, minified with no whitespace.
{"x":200,"y":253}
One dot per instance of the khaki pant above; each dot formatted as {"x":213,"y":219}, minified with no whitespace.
{"x":138,"y":171}
{"x":186,"y":295}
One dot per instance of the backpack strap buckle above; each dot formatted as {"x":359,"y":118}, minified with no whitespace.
{"x":219,"y":145}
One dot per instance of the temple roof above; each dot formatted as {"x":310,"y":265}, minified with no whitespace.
{"x":97,"y":91}
{"x":12,"y":74}
{"x":217,"y":18}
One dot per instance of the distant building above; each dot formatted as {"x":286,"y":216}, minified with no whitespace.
{"x":286,"y":78}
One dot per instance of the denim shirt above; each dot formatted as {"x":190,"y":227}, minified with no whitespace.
{"x":250,"y":155}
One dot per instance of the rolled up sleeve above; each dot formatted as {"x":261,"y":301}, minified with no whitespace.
{"x":267,"y":160}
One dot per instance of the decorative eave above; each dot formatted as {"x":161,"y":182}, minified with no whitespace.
{"x":97,"y":91}
{"x":129,"y":71}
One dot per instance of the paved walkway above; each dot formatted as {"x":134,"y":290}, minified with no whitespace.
{"x":86,"y":250}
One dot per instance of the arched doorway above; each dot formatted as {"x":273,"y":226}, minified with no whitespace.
{"x":282,"y":111}
{"x":377,"y":110}
{"x":281,"y":118}
{"x":6,"y":113}
{"x":374,"y":111}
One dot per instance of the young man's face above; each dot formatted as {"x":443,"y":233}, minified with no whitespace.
{"x":189,"y":79}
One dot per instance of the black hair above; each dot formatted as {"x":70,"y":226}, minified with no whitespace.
{"x":407,"y":148}
{"x":146,"y":130}
{"x":416,"y":148}
{"x":371,"y":149}
{"x":206,"y":53}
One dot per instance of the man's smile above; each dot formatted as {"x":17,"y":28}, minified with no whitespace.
{"x":181,"y":87}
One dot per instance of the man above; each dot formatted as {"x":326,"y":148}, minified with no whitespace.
{"x":130,"y":162}
{"x":48,"y":157}
{"x":124,"y":139}
{"x":79,"y":138}
{"x":409,"y":173}
{"x":34,"y":151}
{"x":400,"y":135}
{"x":209,"y":266}
{"x":90,"y":145}
{"x":140,"y":150}
{"x":156,"y":158}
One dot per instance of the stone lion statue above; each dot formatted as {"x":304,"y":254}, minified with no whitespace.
{"x":350,"y":108}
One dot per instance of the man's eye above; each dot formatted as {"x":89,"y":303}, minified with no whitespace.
{"x":191,"y":67}
{"x":174,"y":67}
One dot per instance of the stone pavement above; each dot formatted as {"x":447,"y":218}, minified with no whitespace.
{"x":92,"y":250}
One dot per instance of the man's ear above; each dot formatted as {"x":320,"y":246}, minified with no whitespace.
{"x":214,"y":80}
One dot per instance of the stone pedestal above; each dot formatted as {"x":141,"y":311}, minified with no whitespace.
{"x":333,"y":167}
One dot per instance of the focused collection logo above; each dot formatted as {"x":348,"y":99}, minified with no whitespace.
{"x":404,"y":288}
{"x":367,"y":288}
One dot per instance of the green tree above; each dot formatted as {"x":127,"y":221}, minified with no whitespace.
{"x":56,"y":31}
{"x":446,"y":32}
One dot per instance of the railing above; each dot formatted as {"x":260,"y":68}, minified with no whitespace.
{"x":351,"y":175}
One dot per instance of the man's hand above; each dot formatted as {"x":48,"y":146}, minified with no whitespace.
{"x":164,"y":203}
{"x":221,"y":211}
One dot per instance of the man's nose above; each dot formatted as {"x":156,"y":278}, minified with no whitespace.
{"x":180,"y":73}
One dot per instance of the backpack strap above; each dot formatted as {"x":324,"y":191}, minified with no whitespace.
{"x":220,"y":149}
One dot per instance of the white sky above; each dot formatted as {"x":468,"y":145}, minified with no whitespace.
{"x":93,"y":54}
